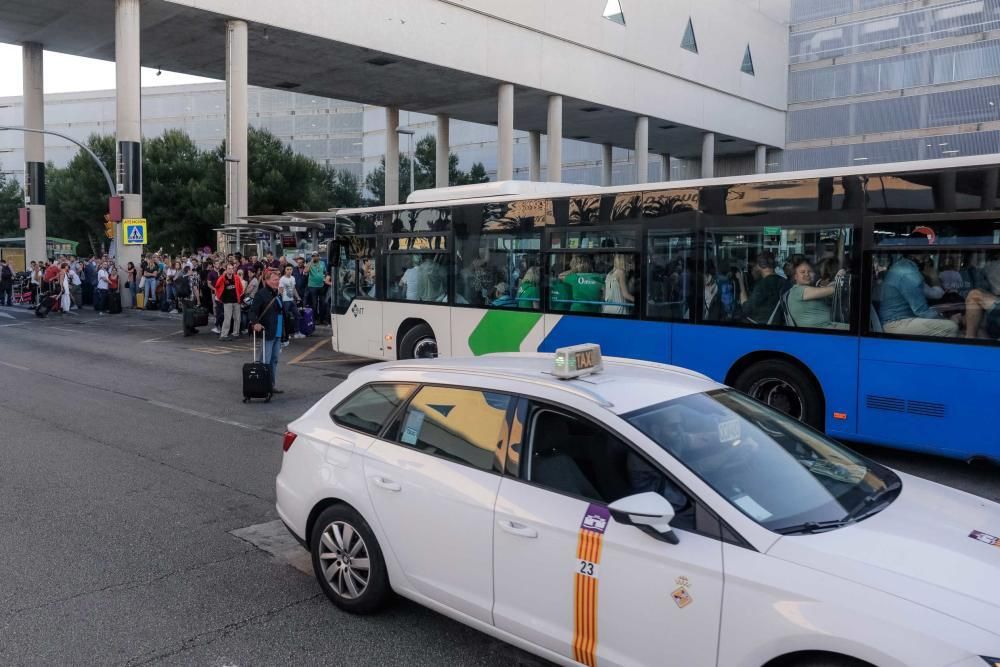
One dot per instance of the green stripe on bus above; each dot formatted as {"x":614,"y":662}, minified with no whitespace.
{"x":502,"y":331}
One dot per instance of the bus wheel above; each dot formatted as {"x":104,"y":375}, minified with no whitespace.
{"x":418,"y":343}
{"x":784,"y":387}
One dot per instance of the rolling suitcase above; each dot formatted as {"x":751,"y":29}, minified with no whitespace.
{"x":45,"y":306}
{"x":140,"y":300}
{"x":200,"y":316}
{"x":257,"y":382}
{"x":307,"y":322}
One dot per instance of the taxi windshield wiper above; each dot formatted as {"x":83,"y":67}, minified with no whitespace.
{"x":875,"y":502}
{"x":814,"y":526}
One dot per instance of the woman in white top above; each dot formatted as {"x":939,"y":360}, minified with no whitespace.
{"x":617,"y":296}
{"x":65,"y":302}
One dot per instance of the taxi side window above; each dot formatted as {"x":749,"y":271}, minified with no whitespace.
{"x":572,"y":455}
{"x":367,"y":409}
{"x":463,"y":425}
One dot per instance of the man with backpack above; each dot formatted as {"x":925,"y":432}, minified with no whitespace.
{"x":6,"y":284}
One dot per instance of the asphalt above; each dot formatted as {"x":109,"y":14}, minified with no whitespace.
{"x":128,"y":462}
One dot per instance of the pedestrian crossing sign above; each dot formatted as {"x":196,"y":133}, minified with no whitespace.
{"x":134,"y":231}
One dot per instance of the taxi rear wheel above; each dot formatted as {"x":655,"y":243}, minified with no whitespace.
{"x":348,"y":562}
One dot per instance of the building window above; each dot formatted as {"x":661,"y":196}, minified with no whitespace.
{"x":747,"y":66}
{"x":688,"y":41}
{"x":613,"y":12}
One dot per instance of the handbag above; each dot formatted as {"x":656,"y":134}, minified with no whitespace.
{"x":142,"y":282}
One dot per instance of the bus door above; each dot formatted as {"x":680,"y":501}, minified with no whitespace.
{"x":357,"y":324}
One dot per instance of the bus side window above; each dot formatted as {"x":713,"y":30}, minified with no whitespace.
{"x":497,"y":258}
{"x":670,"y":275}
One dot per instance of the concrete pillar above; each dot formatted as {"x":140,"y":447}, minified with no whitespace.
{"x":607,"y":161}
{"x":664,"y":166}
{"x":760,"y":159}
{"x":391,"y":156}
{"x":554,"y":138}
{"x":534,"y":156}
{"x":708,"y":155}
{"x":642,"y":149}
{"x":128,"y":127}
{"x":236,"y":120}
{"x":34,"y":153}
{"x":505,"y":132}
{"x":442,"y":152}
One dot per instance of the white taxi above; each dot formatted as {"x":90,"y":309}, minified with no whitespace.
{"x":639,"y":515}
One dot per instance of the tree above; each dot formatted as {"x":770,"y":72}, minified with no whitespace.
{"x":11,"y":199}
{"x":425,"y":157}
{"x":77,"y":195}
{"x":182,"y":197}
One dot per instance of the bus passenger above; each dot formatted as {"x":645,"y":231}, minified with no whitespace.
{"x":981,"y":302}
{"x":768,"y":286}
{"x":585,"y":285}
{"x":502,"y":297}
{"x":810,"y":306}
{"x":527,"y":293}
{"x":412,"y":279}
{"x":617,"y":296}
{"x":904,"y":308}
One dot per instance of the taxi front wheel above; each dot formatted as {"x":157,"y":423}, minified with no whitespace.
{"x":348,"y":562}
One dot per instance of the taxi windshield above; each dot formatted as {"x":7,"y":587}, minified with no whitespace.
{"x":780,"y":473}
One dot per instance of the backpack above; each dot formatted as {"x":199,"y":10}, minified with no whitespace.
{"x":182,"y":288}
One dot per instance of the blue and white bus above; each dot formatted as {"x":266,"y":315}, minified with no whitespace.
{"x":863,"y":301}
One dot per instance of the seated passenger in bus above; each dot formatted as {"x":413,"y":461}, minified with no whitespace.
{"x":982,"y":307}
{"x":809,"y":306}
{"x":411,"y":282}
{"x":761,"y":300}
{"x":904,"y":308}
{"x":586,"y":287}
{"x":618,"y":299}
{"x":527,"y":291}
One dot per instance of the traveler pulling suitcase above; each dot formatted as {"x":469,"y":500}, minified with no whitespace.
{"x":257,"y":382}
{"x":48,"y":304}
{"x":307,"y":323}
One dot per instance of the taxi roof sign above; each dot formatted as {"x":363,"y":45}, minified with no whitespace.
{"x":577,"y":360}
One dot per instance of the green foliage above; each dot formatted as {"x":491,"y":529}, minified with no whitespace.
{"x":76,"y":196}
{"x":11,"y":199}
{"x":184,"y":188}
{"x":425,"y":158}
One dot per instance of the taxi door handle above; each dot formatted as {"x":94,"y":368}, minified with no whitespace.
{"x":519,"y":529}
{"x":387,"y":484}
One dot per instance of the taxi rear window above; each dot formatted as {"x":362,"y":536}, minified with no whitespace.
{"x":368,"y":409}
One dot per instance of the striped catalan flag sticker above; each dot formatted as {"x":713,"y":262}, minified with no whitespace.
{"x":588,"y":561}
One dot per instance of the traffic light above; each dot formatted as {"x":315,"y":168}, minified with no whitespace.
{"x":109,"y":227}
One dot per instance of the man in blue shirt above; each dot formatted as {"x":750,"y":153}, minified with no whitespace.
{"x":904,"y":309}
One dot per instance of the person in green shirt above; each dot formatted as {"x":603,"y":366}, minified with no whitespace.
{"x":527,"y":291}
{"x":314,"y":283}
{"x":809,"y":306}
{"x":587,"y":287}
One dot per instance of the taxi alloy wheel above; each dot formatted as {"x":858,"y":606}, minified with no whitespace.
{"x":345,"y":556}
{"x":347,"y":561}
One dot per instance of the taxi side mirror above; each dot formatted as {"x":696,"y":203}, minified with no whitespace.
{"x":649,"y":512}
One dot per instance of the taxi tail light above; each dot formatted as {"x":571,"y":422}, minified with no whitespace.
{"x":289,"y":439}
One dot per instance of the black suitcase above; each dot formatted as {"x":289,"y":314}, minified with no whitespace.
{"x":45,"y":306}
{"x":152,"y":304}
{"x":114,"y":303}
{"x":257,"y":381}
{"x":200,"y":317}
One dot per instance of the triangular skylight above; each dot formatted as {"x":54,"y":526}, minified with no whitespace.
{"x":688,"y":41}
{"x":747,"y":66}
{"x":613,"y":11}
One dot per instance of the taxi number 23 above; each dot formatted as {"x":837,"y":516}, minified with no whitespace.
{"x":586,"y":568}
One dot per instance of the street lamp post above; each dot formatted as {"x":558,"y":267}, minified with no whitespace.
{"x":409,"y":133}
{"x":235,"y":160}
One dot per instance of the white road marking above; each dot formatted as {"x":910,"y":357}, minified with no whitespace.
{"x":275,"y":539}
{"x":7,"y":315}
{"x":156,"y":340}
{"x":19,"y":324}
{"x":20,"y":368}
{"x":203,"y":415}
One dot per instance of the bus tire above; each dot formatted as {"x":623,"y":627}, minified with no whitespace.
{"x":418,"y":343}
{"x":785,"y":387}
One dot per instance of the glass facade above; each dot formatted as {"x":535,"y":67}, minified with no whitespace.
{"x":874,"y":81}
